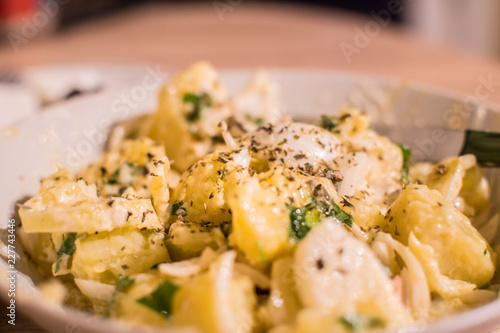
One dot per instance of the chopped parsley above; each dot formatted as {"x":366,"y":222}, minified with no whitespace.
{"x":123,"y":283}
{"x":259,"y":121}
{"x":485,"y":286}
{"x":356,"y":323}
{"x":198,"y":102}
{"x":67,"y":247}
{"x":329,"y":123}
{"x":134,"y":170}
{"x":299,"y":228}
{"x":405,"y":169}
{"x":303,"y":219}
{"x":340,"y":215}
{"x":161,"y":299}
{"x":113,"y":179}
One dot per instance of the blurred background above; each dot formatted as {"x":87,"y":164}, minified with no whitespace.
{"x":52,"y":50}
{"x":473,"y":25}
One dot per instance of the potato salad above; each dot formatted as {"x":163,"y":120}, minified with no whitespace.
{"x":222,"y":214}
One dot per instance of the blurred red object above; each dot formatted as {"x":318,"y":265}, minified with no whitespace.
{"x":16,"y":8}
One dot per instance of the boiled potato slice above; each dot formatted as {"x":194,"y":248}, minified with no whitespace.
{"x":439,"y":283}
{"x":188,"y":240}
{"x":283,"y":302}
{"x":98,"y":293}
{"x":261,"y":222}
{"x":41,"y":250}
{"x":216,"y":301}
{"x":141,"y":164}
{"x":460,"y":251}
{"x":340,"y":274}
{"x":260,"y":206}
{"x":460,"y":176}
{"x":371,"y":163}
{"x":201,"y":195}
{"x":191,"y":106}
{"x":75,"y":207}
{"x":61,"y":176}
{"x":105,"y":255}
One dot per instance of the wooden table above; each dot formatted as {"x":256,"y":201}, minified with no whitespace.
{"x":256,"y":35}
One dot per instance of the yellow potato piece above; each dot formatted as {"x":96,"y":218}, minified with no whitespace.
{"x":141,"y":164}
{"x":439,"y":283}
{"x":105,"y":255}
{"x":283,"y":302}
{"x":261,"y":220}
{"x":202,"y":191}
{"x":460,"y":251}
{"x":41,"y":250}
{"x":460,"y":176}
{"x":187,"y":141}
{"x":91,"y":217}
{"x":260,"y":227}
{"x":216,"y":301}
{"x":188,"y":240}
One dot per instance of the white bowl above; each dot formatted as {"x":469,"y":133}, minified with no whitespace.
{"x":74,"y":133}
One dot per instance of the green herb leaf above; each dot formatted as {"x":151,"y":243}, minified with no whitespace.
{"x":161,"y":299}
{"x":134,"y":170}
{"x":67,"y":248}
{"x":405,"y":169}
{"x":123,"y":283}
{"x":259,"y":121}
{"x":298,"y":224}
{"x":356,"y":323}
{"x":199,"y":102}
{"x":303,"y":219}
{"x":329,"y":123}
{"x":340,"y":215}
{"x":485,"y":286}
{"x":113,"y":179}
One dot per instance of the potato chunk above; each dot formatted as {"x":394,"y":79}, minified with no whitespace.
{"x":188,"y":240}
{"x":216,"y":301}
{"x":190,"y":108}
{"x":75,"y":207}
{"x":460,"y":177}
{"x":201,"y":195}
{"x":140,"y":164}
{"x":339,"y":274}
{"x":461,"y":252}
{"x":103,"y":256}
{"x":261,"y":220}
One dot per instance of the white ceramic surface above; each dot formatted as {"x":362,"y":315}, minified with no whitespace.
{"x":74,"y":133}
